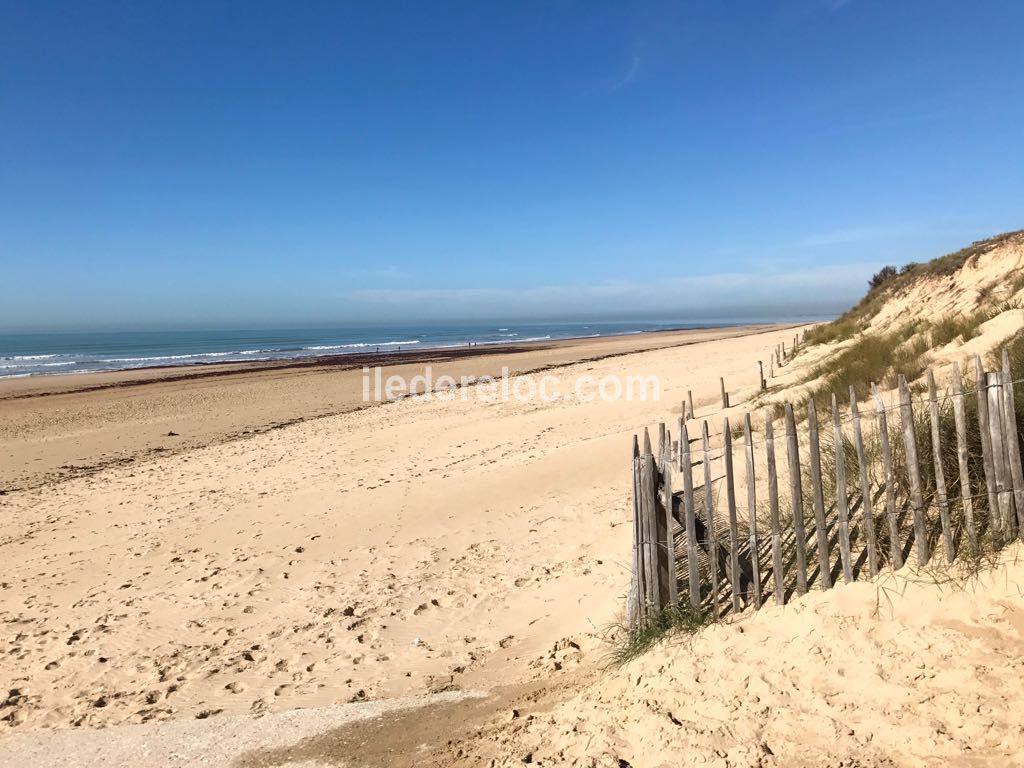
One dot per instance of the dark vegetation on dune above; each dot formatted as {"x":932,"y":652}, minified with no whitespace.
{"x":889,"y":281}
{"x":882,"y":357}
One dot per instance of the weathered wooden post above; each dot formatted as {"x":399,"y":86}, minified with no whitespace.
{"x":755,"y":544}
{"x":797,"y":494}
{"x":942,"y":497}
{"x":842,"y":501}
{"x":648,"y":506}
{"x":895,"y":546}
{"x":773,"y":507}
{"x":689,"y":399}
{"x":981,"y":384}
{"x":730,"y":495}
{"x":689,"y":516}
{"x":1013,"y":443}
{"x":913,"y":471}
{"x":709,"y":514}
{"x":636,"y":601}
{"x":725,"y":395}
{"x":960,"y":417}
{"x":817,"y":494}
{"x":1000,"y":460}
{"x":670,"y":544}
{"x":670,"y":552}
{"x":760,"y":375}
{"x":867,"y":507}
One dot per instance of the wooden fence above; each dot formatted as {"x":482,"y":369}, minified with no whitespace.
{"x":877,"y":489}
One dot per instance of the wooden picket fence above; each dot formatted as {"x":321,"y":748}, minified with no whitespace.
{"x":684,"y":543}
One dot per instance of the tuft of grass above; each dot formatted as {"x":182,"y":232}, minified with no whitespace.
{"x":837,"y":330}
{"x":1016,"y":284}
{"x":872,"y":357}
{"x":631,"y":643}
{"x":910,"y":359}
{"x":1007,"y":305}
{"x":964,"y":327}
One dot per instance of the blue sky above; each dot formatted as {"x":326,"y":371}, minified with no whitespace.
{"x":249,"y":163}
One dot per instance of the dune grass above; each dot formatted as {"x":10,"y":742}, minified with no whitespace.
{"x":629,"y":643}
{"x":963,"y":327}
{"x":871,"y":358}
{"x":837,"y":330}
{"x":889,"y":281}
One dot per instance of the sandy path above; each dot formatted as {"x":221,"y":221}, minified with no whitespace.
{"x":388,"y":551}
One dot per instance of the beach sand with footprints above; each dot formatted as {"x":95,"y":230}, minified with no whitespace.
{"x":433,"y":583}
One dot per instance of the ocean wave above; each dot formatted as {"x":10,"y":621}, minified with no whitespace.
{"x":362,"y":345}
{"x":189,"y":356}
{"x":155,"y":359}
{"x":37,"y":365}
{"x":81,"y":354}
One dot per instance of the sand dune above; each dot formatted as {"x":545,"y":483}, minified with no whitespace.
{"x":903,"y":671}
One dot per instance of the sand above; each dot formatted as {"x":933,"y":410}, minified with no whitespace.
{"x":55,"y":427}
{"x":903,"y":671}
{"x":404,"y":548}
{"x":358,"y":554}
{"x":242,"y":740}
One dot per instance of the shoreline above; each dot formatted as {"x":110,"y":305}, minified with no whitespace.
{"x":54,"y":428}
{"x":391,"y":348}
{"x":122,"y":377}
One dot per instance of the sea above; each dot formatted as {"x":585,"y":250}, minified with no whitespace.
{"x":32,"y":354}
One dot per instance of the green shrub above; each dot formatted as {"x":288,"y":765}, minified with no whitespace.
{"x":882,"y":276}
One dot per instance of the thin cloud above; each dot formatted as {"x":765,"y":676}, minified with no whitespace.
{"x":844,"y":237}
{"x":838,"y":283}
{"x":390,"y":271}
{"x":630,"y":76}
{"x":866,"y":234}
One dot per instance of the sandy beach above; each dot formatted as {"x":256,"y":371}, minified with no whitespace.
{"x":54,"y":427}
{"x":376,"y":552}
{"x":330,"y":569}
{"x":576,"y":385}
